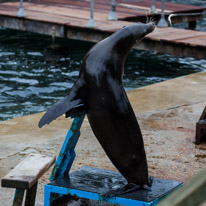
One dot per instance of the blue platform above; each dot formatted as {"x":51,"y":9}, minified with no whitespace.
{"x":90,"y":183}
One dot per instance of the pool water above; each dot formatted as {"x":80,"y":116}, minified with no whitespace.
{"x":33,"y":76}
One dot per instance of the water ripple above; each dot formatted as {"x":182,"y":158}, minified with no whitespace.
{"x":35,"y":54}
{"x":24,"y":81}
{"x":8,"y":63}
{"x":6,"y":54}
{"x":32,"y":77}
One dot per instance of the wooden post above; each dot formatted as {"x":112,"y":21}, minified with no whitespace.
{"x":201,"y":127}
{"x":18,"y":197}
{"x":25,"y":177}
{"x":31,"y":195}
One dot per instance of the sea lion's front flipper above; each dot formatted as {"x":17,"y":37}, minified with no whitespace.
{"x":72,"y":100}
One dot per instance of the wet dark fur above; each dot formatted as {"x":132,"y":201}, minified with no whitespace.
{"x":110,"y":114}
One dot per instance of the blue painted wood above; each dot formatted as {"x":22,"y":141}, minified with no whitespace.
{"x":47,"y":195}
{"x":67,"y":154}
{"x":89,"y":183}
{"x":90,"y":195}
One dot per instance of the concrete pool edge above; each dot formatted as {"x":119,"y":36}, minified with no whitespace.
{"x":167,"y":113}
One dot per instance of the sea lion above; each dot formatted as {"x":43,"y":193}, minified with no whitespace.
{"x":99,"y":88}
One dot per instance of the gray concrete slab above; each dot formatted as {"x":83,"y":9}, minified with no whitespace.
{"x":167,"y":113}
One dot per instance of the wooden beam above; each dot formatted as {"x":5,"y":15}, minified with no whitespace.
{"x":162,"y":46}
{"x":28,"y":171}
{"x":28,"y":25}
{"x":85,"y":35}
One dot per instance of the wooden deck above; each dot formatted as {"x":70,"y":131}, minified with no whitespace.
{"x":68,"y":18}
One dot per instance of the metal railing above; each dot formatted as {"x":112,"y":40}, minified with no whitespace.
{"x":91,"y":22}
{"x":112,"y":14}
{"x":153,"y":9}
{"x":21,"y":12}
{"x":162,"y":22}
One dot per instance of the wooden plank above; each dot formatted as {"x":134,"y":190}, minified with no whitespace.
{"x":61,"y":10}
{"x":67,"y":9}
{"x":170,"y":33}
{"x":199,"y":40}
{"x":55,"y":11}
{"x":103,"y":30}
{"x":179,"y":36}
{"x":106,"y":4}
{"x":45,"y":16}
{"x":190,"y":194}
{"x":170,"y":47}
{"x":37,"y":26}
{"x":27,"y":172}
{"x":58,"y":17}
{"x":102,"y":26}
{"x":143,"y":8}
{"x":122,"y":10}
{"x":72,"y":9}
{"x":39,"y":17}
{"x":33,"y":15}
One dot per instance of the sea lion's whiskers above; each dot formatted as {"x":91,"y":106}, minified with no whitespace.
{"x":147,"y":18}
{"x":152,"y":21}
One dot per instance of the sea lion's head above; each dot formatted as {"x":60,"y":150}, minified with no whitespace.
{"x":124,"y":39}
{"x":112,"y":51}
{"x":140,"y":30}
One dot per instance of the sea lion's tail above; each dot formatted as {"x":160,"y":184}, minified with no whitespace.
{"x":64,"y":105}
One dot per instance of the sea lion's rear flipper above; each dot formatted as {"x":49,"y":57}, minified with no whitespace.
{"x":122,"y":190}
{"x":71,"y":101}
{"x":130,"y":187}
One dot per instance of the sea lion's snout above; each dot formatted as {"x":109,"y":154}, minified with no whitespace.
{"x":150,"y":28}
{"x":141,"y":29}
